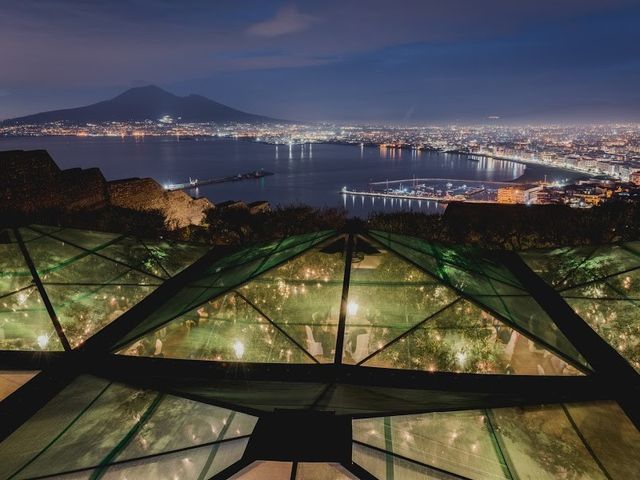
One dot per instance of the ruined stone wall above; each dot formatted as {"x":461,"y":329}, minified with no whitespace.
{"x":30,"y":181}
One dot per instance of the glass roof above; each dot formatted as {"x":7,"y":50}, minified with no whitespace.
{"x":400,"y":311}
{"x":431,"y":361}
{"x":89,"y":278}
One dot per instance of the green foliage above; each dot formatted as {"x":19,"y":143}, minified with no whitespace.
{"x":237,"y":226}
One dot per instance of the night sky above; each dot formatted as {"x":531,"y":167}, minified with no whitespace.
{"x":408,"y":61}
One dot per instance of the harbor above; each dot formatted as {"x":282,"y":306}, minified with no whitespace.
{"x":441,"y":190}
{"x":195,"y":183}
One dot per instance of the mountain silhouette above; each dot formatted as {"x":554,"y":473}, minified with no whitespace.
{"x":146,"y":103}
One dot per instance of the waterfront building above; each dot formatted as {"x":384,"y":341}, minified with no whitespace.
{"x":510,"y":195}
{"x":347,"y":354}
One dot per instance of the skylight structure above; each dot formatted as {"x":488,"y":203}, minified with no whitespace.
{"x":417,"y":360}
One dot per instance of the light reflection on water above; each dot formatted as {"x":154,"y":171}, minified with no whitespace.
{"x":303,"y":173}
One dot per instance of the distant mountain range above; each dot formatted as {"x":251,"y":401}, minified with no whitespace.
{"x":146,"y":103}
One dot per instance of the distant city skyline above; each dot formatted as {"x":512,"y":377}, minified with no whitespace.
{"x":347,"y":61}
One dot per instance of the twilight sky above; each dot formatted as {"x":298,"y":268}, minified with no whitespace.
{"x":403,"y":60}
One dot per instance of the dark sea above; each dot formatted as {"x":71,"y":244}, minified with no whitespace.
{"x":306,"y":174}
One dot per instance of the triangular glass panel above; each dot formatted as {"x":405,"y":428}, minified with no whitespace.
{"x":264,"y":471}
{"x":57,"y":261}
{"x":15,"y":273}
{"x":302,"y":297}
{"x":434,"y":256}
{"x":226,"y":328}
{"x":458,"y":442}
{"x":25,"y":323}
{"x":86,"y":239}
{"x":524,"y":312}
{"x":12,"y":380}
{"x":387,"y":297}
{"x":136,"y":255}
{"x":83,"y":310}
{"x":555,"y":266}
{"x":175,"y":257}
{"x":606,"y":261}
{"x":464,"y":338}
{"x":616,"y":321}
{"x":30,"y":233}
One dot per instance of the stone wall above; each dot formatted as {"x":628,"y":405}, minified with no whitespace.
{"x":30,"y":181}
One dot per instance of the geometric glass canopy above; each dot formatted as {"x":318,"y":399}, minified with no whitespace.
{"x":602,"y":285}
{"x":349,"y":354}
{"x":397,"y":314}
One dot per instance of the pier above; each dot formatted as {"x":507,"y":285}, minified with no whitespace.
{"x":233,"y":178}
{"x":406,"y":196}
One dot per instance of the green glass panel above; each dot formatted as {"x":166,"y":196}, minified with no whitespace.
{"x":12,"y":380}
{"x":555,"y":266}
{"x":611,"y":436}
{"x":36,"y":231}
{"x":33,"y":436}
{"x":57,"y":261}
{"x":223,"y":329}
{"x":86,"y":239}
{"x":175,"y":257}
{"x":83,"y":310}
{"x":616,"y":321}
{"x":221,"y":277}
{"x":464,"y":338}
{"x":303,"y":297}
{"x":541,"y":443}
{"x":525,"y":312}
{"x":14,"y":271}
{"x":387,"y":297}
{"x":607,"y":260}
{"x":384,"y":466}
{"x":25,"y":323}
{"x":266,"y":249}
{"x":264,"y":471}
{"x":136,"y":255}
{"x":434,"y":256}
{"x":458,"y":442}
{"x":322,"y":471}
{"x":178,"y":423}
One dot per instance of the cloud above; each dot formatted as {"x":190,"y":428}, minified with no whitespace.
{"x":287,"y":20}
